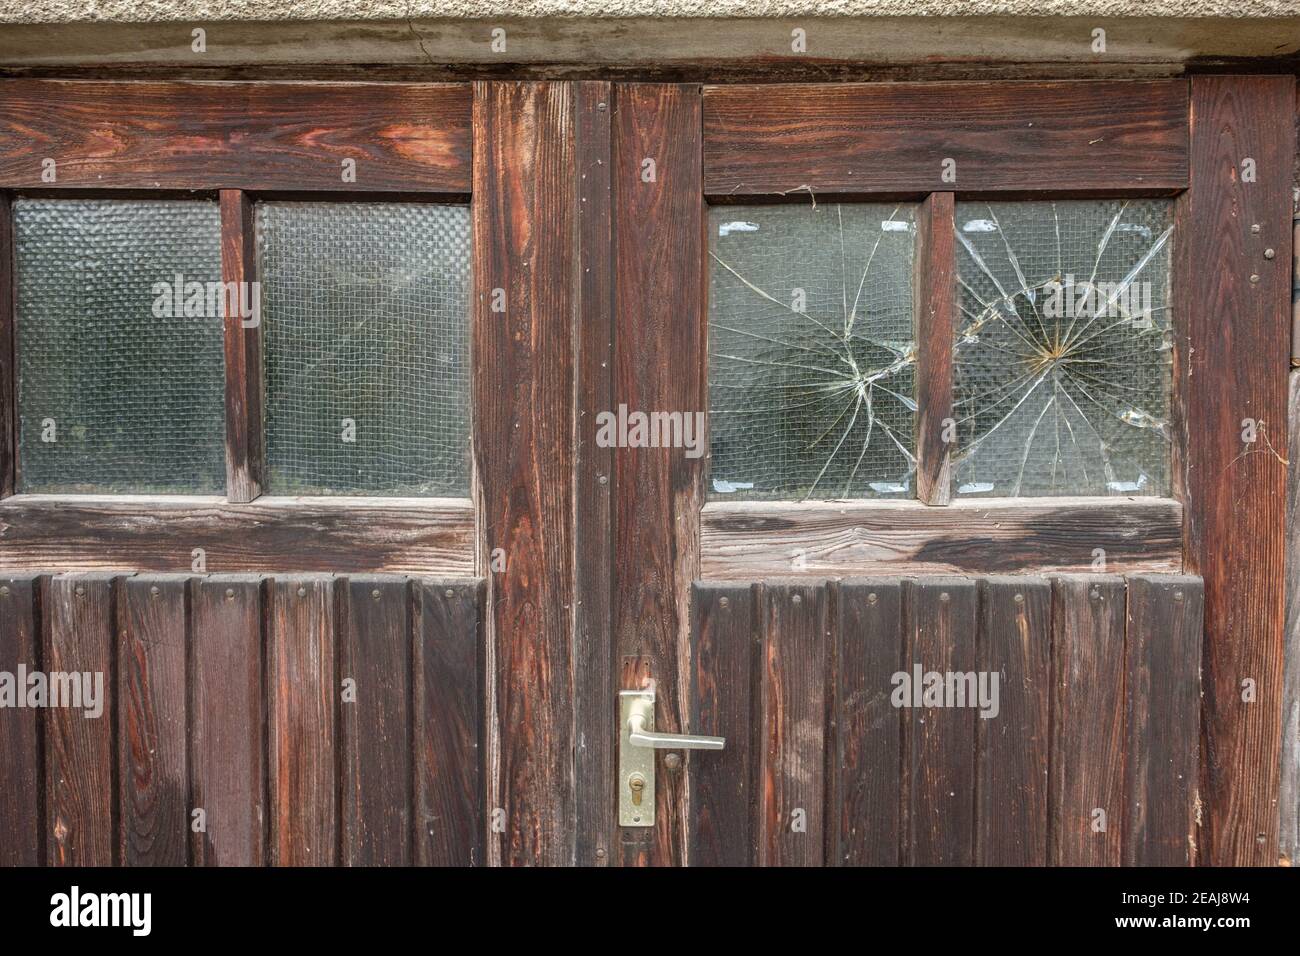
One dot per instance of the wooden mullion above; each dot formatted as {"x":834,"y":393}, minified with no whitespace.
{"x":8,"y":352}
{"x":243,"y":338}
{"x":934,"y":294}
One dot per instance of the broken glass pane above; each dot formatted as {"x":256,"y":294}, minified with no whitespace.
{"x":811,"y":352}
{"x":1063,"y":351}
{"x":121,"y":382}
{"x":366,"y":310}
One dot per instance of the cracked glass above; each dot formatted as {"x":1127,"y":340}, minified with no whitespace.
{"x":811,"y":352}
{"x":1063,"y":351}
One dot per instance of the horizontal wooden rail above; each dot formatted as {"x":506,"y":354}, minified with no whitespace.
{"x":751,"y":539}
{"x":272,"y":534}
{"x":1112,"y":136}
{"x":354,"y":137}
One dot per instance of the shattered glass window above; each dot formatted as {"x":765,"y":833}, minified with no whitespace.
{"x":1063,"y":352}
{"x":811,"y":352}
{"x":366,"y":314}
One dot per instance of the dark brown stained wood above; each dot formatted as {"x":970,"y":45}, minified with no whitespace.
{"x":524,"y":225}
{"x":275,"y":535}
{"x":894,"y":137}
{"x":8,"y":355}
{"x":153,"y":774}
{"x":792,"y":723}
{"x":659,"y":365}
{"x":304,"y":700}
{"x":754,"y":539}
{"x":939,"y":776}
{"x":724,"y":639}
{"x":1015,"y":641}
{"x":863,"y":758}
{"x":21,"y":842}
{"x":935,"y":295}
{"x":448,"y":700}
{"x":595,"y":707}
{"x":1289,"y":792}
{"x":77,"y":615}
{"x":1087,"y":763}
{"x":227,"y":722}
{"x":290,"y":136}
{"x":375,"y":724}
{"x":1162,"y":685}
{"x":1236,"y":327}
{"x":243,"y":344}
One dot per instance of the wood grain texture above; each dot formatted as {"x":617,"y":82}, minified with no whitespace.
{"x":864,"y":753}
{"x":290,"y":136}
{"x":276,"y":535}
{"x":153,"y":773}
{"x":448,"y":716}
{"x":375,"y":727}
{"x":1162,"y":686}
{"x":1007,"y":136}
{"x":939,"y":776}
{"x":302,"y":719}
{"x":243,"y":348}
{"x":1087,"y":763}
{"x":1234,"y":303}
{"x":523,"y":228}
{"x":724,"y":640}
{"x":228,"y":718}
{"x":935,"y":303}
{"x":1289,"y":791}
{"x":80,"y":804}
{"x":1015,"y":641}
{"x":748,"y":540}
{"x":792,"y":723}
{"x":659,"y":365}
{"x":594,"y":701}
{"x":8,"y":353}
{"x":21,"y":827}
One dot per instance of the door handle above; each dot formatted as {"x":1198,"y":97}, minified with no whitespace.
{"x":637,"y":742}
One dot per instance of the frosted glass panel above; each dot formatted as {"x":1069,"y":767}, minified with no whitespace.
{"x":120,"y":385}
{"x":1063,"y":349}
{"x":811,"y":352}
{"x":367,"y":347}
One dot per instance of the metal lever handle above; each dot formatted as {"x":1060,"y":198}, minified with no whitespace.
{"x":638,"y":736}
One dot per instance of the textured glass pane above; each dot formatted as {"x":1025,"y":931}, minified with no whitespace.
{"x":129,"y":386}
{"x":1063,"y":349}
{"x":367,"y":352}
{"x":811,"y":351}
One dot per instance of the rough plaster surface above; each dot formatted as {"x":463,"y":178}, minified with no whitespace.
{"x":156,"y":11}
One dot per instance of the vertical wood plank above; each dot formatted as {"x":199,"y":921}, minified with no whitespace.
{"x":523,"y":225}
{"x":864,"y":757}
{"x":21,"y":824}
{"x":1012,"y":745}
{"x":8,"y":352}
{"x":448,"y":677}
{"x":228,"y":719}
{"x":792,"y":725}
{"x":660,"y":366}
{"x":935,"y":295}
{"x":940,"y":741}
{"x":303,"y":709}
{"x":1162,"y":685}
{"x":724,"y":634}
{"x":80,"y":810}
{"x":375,"y":727}
{"x":153,"y":773}
{"x":595,"y":707}
{"x":1087,"y":759}
{"x":1289,"y":792}
{"x":1232,"y":298}
{"x":243,"y":344}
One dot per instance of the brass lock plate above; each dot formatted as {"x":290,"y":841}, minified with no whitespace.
{"x":636,"y":765}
